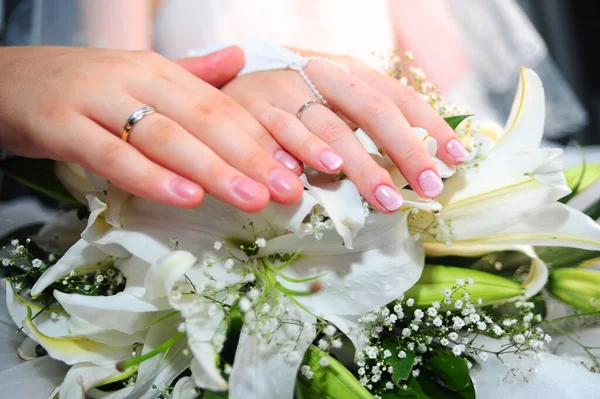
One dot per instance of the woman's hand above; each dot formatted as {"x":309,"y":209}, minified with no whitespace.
{"x":71,"y":104}
{"x":381,"y":105}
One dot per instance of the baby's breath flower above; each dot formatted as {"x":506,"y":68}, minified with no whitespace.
{"x":218,"y":245}
{"x":260,"y":242}
{"x":245,"y":304}
{"x":410,"y":302}
{"x":458,"y":350}
{"x":402,"y":355}
{"x":329,"y":330}
{"x":306,"y":372}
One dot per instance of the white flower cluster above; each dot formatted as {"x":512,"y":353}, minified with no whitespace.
{"x":451,"y":325}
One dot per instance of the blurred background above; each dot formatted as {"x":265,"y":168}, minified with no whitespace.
{"x":558,"y":38}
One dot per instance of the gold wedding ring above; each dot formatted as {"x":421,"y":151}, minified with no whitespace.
{"x":133,"y":119}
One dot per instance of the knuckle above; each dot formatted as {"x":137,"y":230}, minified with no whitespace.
{"x":203,"y":110}
{"x":334,"y":131}
{"x":381,"y":108}
{"x":163,"y":131}
{"x":408,"y":99}
{"x":414,"y":153}
{"x":279,"y":122}
{"x":255,"y":159}
{"x":225,"y":103}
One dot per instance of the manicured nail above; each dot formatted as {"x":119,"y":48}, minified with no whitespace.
{"x":185,"y":189}
{"x":286,"y":159}
{"x":281,"y":180}
{"x":331,"y":160}
{"x":245,"y":188}
{"x":389,"y":198}
{"x":431,"y":183}
{"x":457,"y":151}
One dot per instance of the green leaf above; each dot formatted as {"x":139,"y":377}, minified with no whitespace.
{"x":451,"y":370}
{"x":37,"y":174}
{"x":594,"y":210}
{"x":331,"y":382}
{"x":433,"y":389}
{"x":402,"y":367}
{"x":454,"y":121}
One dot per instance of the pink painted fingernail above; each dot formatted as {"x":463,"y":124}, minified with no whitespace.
{"x":286,"y":159}
{"x":282,"y":181}
{"x":389,"y":198}
{"x":457,"y":151}
{"x":331,"y":161}
{"x":185,"y":189}
{"x":247,"y":189}
{"x":431,"y":183}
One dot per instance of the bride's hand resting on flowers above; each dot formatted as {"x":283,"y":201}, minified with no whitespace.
{"x":381,"y":105}
{"x":71,"y":104}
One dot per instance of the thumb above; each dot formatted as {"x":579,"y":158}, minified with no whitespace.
{"x":215,"y":68}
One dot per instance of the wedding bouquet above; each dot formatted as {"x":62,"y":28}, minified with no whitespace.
{"x":327,"y":298}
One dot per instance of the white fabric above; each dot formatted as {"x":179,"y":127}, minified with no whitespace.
{"x":261,"y":55}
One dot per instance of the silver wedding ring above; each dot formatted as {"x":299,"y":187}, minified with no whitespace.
{"x":306,"y":106}
{"x":133,"y":119}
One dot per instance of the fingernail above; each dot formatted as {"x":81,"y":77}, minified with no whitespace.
{"x":247,"y":189}
{"x":430,"y":183}
{"x":331,"y":160}
{"x":286,"y":159}
{"x":185,"y":189}
{"x":457,"y":151}
{"x":281,"y":180}
{"x":389,"y":198}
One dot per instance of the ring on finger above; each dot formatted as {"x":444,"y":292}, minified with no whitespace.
{"x":134,"y":118}
{"x":306,"y":106}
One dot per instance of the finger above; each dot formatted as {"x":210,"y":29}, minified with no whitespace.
{"x":302,"y":143}
{"x":203,"y":119}
{"x":418,"y":113}
{"x":168,"y":144}
{"x":236,"y":113}
{"x":215,"y":68}
{"x":124,"y":166}
{"x":373,"y":182}
{"x":380,"y":117}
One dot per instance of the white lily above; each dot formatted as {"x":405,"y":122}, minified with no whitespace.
{"x":509,"y":198}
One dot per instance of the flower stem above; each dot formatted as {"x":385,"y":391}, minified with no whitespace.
{"x":125,"y":364}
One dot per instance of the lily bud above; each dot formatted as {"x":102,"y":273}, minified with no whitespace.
{"x":328,"y":378}
{"x":435,"y":279}
{"x":579,"y":288}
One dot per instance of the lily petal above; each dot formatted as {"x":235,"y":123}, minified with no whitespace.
{"x":531,"y":181}
{"x":75,"y":350}
{"x":342,"y":201}
{"x":60,"y":233}
{"x":525,"y":125}
{"x":288,"y":218}
{"x":83,"y":376}
{"x":257,"y":362}
{"x":80,"y":255}
{"x":384,"y":263}
{"x":120,"y":312}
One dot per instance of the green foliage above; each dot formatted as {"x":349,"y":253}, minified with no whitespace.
{"x":454,"y":121}
{"x":402,"y":367}
{"x":451,"y":370}
{"x":39,"y":175}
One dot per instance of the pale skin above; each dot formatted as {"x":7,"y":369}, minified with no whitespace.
{"x":242,"y":145}
{"x":70,"y":104}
